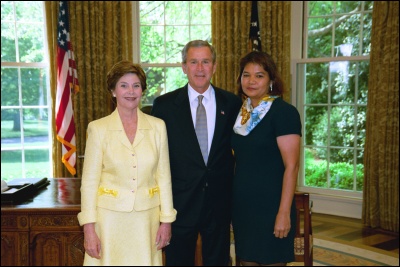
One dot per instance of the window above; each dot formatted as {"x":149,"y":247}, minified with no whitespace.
{"x":25,"y":100}
{"x":331,"y":80}
{"x":165,"y":28}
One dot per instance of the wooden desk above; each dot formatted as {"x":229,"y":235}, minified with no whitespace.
{"x":44,"y":230}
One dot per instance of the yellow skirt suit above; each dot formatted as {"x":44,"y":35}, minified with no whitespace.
{"x":126,"y":190}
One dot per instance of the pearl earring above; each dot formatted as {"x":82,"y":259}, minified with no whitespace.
{"x":270,"y":87}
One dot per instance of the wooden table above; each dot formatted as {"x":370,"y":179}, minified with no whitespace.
{"x":44,"y":229}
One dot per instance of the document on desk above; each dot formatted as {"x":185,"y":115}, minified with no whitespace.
{"x":38,"y":183}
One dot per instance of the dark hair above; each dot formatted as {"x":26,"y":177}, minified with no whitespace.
{"x":265,"y":60}
{"x":120,"y":69}
{"x":198,"y":43}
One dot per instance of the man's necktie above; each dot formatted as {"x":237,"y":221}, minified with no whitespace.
{"x":201,"y":128}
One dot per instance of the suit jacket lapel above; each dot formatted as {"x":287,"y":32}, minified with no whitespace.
{"x":220,"y":120}
{"x":142,"y":126}
{"x":185,"y":116}
{"x":115,"y":124}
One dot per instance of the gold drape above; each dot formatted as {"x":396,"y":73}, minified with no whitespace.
{"x":230,"y":22}
{"x":101,"y":35}
{"x":381,"y":157}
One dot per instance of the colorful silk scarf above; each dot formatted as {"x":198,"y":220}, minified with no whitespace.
{"x":249,"y":117}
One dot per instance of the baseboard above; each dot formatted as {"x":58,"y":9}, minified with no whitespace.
{"x":338,"y":206}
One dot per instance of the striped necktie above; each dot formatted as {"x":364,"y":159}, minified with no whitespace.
{"x":201,"y":129}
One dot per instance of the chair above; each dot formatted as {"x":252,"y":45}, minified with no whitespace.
{"x":147,"y":109}
{"x":303,"y":242}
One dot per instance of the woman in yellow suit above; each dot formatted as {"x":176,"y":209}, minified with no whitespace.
{"x":126,"y":205}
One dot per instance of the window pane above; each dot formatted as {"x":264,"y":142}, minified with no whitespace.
{"x":155,"y":84}
{"x":30,"y":42}
{"x":152,"y":47}
{"x":37,"y":163}
{"x":318,"y":8}
{"x":360,"y":169}
{"x":175,"y":79}
{"x":10,"y":129}
{"x":177,"y":37}
{"x":341,"y":172}
{"x":7,"y":11}
{"x":340,"y":89}
{"x":202,"y":32}
{"x":316,"y":125}
{"x":360,"y":80}
{"x":33,"y":85}
{"x":176,"y":12}
{"x":347,"y":36}
{"x":9,"y":87}
{"x":200,"y":12}
{"x":315,"y":168}
{"x":29,"y":11}
{"x":36,"y":127}
{"x":366,"y":40}
{"x":347,"y":6}
{"x":319,"y":42}
{"x":159,"y":82}
{"x":11,"y":165}
{"x":316,"y":82}
{"x":369,"y":5}
{"x":361,"y":125}
{"x":8,"y":52}
{"x":341,"y":131}
{"x":152,"y":12}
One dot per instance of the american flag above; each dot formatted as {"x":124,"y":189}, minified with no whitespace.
{"x":254,"y":35}
{"x":67,"y":82}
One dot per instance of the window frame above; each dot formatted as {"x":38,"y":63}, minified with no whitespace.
{"x":299,"y":57}
{"x":45,"y":65}
{"x":137,"y":43}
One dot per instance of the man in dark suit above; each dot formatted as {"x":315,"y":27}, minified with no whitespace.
{"x":201,"y":179}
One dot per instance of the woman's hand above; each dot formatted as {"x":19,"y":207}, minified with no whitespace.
{"x":282,"y":225}
{"x":92,"y":242}
{"x":163,"y":235}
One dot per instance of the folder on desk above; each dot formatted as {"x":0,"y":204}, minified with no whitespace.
{"x":38,"y":183}
{"x":22,"y":188}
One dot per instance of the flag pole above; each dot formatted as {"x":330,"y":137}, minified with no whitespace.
{"x":67,"y":83}
{"x":254,"y":34}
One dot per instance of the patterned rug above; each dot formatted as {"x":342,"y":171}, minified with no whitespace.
{"x":332,"y":253}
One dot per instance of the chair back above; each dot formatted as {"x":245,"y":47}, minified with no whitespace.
{"x":303,"y":242}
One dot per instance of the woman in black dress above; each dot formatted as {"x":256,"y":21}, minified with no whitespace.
{"x":266,"y":144}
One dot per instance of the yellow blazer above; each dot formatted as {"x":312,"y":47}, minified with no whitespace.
{"x":121,"y":176}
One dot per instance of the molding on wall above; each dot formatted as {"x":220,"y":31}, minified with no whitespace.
{"x":338,"y":206}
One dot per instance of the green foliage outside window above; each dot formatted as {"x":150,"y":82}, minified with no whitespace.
{"x":335,"y":93}
{"x":166,"y":26}
{"x":341,"y":174}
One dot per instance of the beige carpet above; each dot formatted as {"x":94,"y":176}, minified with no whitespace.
{"x":332,"y":253}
